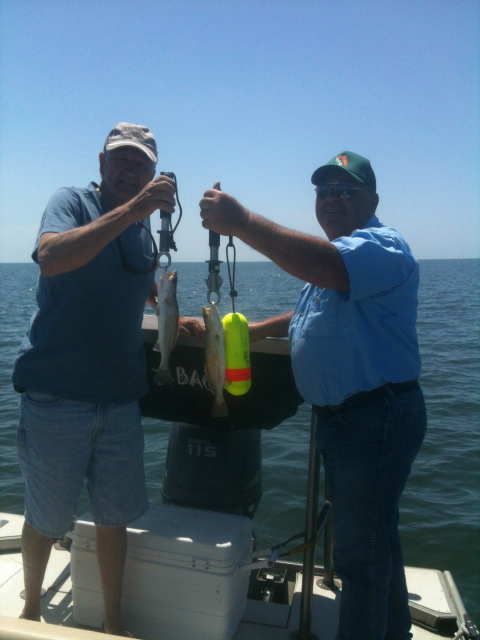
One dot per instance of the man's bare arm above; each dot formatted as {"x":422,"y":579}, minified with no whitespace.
{"x":307,"y":257}
{"x":275,"y":327}
{"x":64,"y":252}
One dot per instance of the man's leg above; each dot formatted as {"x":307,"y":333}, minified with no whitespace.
{"x":54,"y":444}
{"x":36,"y":552}
{"x":118,"y":496}
{"x":367,"y":452}
{"x":111,"y":554}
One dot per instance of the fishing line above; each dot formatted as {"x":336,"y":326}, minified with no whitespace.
{"x":322,"y":520}
{"x":233,"y":292}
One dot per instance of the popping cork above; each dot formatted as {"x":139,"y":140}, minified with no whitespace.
{"x":237,"y":354}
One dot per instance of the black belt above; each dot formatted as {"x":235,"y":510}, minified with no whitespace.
{"x":390,"y":389}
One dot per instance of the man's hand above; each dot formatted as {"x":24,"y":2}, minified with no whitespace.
{"x":222,"y":213}
{"x":64,"y":252}
{"x":193,"y":329}
{"x":157,"y":194}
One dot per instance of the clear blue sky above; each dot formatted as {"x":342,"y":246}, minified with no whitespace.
{"x":254,"y":93}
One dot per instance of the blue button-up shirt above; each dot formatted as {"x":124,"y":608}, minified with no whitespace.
{"x":344,"y":342}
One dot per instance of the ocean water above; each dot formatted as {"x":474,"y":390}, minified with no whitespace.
{"x":440,"y":509}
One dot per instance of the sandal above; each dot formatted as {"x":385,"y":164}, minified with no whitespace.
{"x":125,"y":634}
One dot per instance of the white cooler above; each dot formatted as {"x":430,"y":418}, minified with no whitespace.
{"x":186,"y":575}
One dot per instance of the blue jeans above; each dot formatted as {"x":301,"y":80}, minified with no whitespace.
{"x":368,"y":452}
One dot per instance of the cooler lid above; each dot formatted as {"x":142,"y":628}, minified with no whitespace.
{"x":183,"y":534}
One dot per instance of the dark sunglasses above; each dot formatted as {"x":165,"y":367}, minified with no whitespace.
{"x":341,"y":189}
{"x":147,"y":264}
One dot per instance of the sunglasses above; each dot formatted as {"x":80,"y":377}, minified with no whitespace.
{"x":145,"y":264}
{"x":341,"y":189}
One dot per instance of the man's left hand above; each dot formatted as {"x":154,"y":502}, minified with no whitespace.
{"x":192,"y":329}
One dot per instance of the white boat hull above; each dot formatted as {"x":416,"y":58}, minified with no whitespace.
{"x":431,"y":600}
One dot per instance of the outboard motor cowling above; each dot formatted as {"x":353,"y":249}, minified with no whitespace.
{"x":213,"y":469}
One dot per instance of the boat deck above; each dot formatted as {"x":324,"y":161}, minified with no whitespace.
{"x":431,"y":602}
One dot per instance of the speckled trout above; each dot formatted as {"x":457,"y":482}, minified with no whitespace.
{"x":167,"y":312}
{"x":215,"y":359}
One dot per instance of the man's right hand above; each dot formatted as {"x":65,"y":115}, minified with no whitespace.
{"x":64,"y":252}
{"x":157,"y":194}
{"x":221,"y":213}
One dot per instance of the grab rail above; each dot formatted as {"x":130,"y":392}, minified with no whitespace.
{"x":313,"y":527}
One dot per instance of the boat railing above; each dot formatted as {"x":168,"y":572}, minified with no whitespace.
{"x":314,"y":526}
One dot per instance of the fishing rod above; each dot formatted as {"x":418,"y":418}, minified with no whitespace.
{"x":166,"y":231}
{"x":214,"y":281}
{"x":235,"y":325}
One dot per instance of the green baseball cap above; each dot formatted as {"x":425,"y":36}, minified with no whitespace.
{"x":356,"y":166}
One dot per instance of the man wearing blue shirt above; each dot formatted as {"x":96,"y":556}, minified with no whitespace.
{"x":355,"y":359}
{"x":81,"y":367}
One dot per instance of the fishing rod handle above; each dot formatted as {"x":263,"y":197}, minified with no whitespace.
{"x":166,"y":215}
{"x":213,"y":239}
{"x":169,"y":174}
